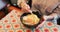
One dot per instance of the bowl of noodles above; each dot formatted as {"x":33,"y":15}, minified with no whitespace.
{"x":31,"y":19}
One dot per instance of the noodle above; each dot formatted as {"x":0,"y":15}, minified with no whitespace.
{"x":30,"y":19}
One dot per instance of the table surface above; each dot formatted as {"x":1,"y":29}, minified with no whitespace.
{"x":12,"y":23}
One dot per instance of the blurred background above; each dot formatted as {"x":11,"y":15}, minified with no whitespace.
{"x":45,"y":6}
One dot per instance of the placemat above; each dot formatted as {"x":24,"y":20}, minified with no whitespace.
{"x":12,"y":23}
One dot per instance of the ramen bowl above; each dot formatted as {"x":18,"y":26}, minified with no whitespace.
{"x":38,"y":14}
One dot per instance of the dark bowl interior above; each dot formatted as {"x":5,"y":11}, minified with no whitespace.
{"x":36,"y":13}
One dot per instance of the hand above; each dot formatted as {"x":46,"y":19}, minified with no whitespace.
{"x":25,"y":7}
{"x":45,"y":18}
{"x":40,"y":25}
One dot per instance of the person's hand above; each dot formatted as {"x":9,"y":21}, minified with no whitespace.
{"x":40,"y":25}
{"x":25,"y":7}
{"x":52,"y":16}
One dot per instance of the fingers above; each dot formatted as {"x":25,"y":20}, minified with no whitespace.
{"x":40,"y":25}
{"x":26,"y":8}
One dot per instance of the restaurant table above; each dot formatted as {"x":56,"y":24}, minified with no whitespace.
{"x":11,"y":23}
